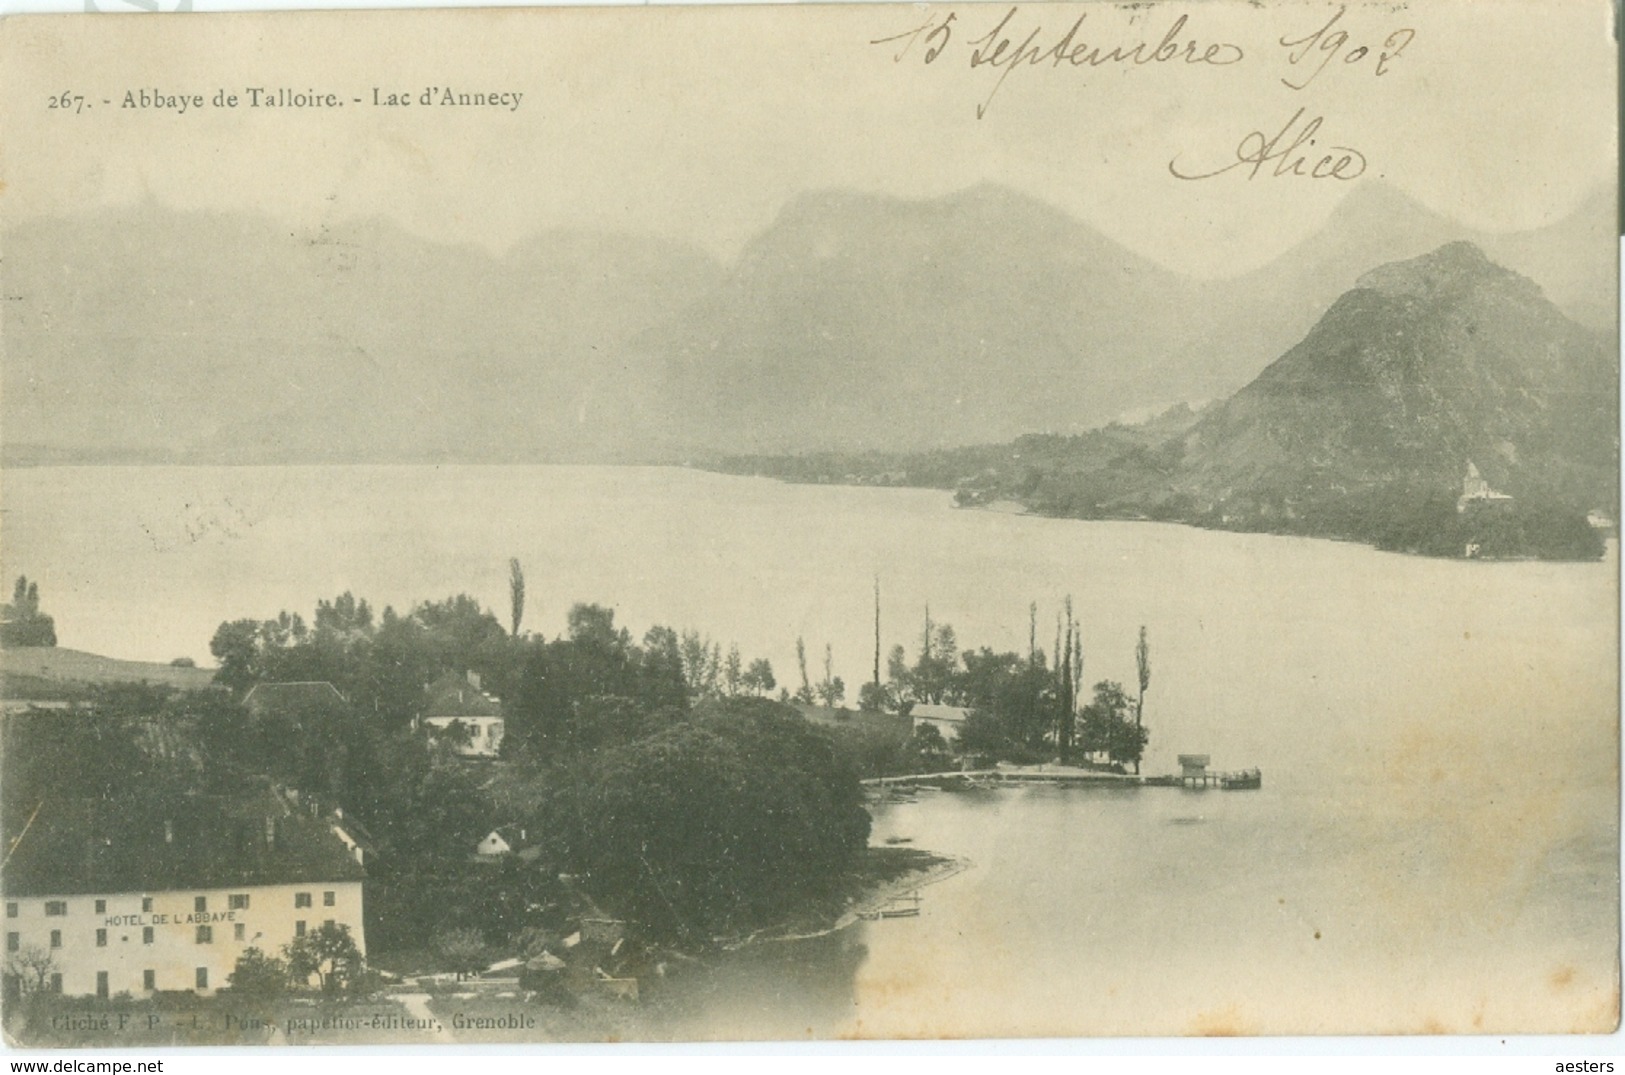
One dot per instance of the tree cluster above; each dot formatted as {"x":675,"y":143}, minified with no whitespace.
{"x":1023,"y":707}
{"x":328,"y":954}
{"x":21,"y":622}
{"x":679,"y":795}
{"x":718,"y":822}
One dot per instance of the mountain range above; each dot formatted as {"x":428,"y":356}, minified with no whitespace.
{"x":852,"y":322}
{"x":1441,"y":404}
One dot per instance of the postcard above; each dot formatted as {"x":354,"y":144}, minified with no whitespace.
{"x":810,"y":522}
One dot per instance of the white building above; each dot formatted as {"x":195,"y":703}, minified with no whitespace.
{"x":1475,"y":489}
{"x":947,"y":719}
{"x":507,"y":840}
{"x":454,"y":699}
{"x":102,"y":902}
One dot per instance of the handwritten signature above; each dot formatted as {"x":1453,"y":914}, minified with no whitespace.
{"x":1290,"y":158}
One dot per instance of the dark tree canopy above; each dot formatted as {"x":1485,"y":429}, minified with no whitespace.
{"x":714,"y":824}
{"x":1108,"y":725}
{"x":22,"y":623}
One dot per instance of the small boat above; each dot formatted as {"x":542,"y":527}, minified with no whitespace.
{"x":907,"y":906}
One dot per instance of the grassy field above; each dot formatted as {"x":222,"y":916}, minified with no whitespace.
{"x":52,"y":672}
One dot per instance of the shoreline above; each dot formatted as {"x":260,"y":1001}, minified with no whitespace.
{"x":870,"y":898}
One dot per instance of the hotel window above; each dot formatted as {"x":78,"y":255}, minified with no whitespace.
{"x":11,"y":910}
{"x":146,"y":934}
{"x":200,"y":904}
{"x":239,"y":932}
{"x":101,"y":984}
{"x":101,"y":906}
{"x":205,"y":935}
{"x":56,"y":983}
{"x":56,"y":908}
{"x":237,"y":903}
{"x":14,"y":941}
{"x":203,"y":977}
{"x":299,"y":928}
{"x":327,"y":899}
{"x":327,"y":923}
{"x":101,"y":938}
{"x":146,"y":904}
{"x":301,"y":899}
{"x":56,"y":938}
{"x":149,"y":980}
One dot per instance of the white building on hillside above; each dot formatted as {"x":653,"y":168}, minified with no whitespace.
{"x":454,"y":699}
{"x":1476,"y":490}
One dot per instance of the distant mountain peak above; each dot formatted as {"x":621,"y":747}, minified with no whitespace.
{"x":1448,"y":269}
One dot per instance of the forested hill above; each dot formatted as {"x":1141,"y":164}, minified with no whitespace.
{"x":1364,"y":430}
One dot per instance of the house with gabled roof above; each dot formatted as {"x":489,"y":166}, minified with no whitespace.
{"x":306,"y":694}
{"x":458,"y":700}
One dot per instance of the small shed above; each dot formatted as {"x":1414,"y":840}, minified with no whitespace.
{"x":1193,"y":766}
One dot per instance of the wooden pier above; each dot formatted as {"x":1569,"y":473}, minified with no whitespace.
{"x":1193,"y":774}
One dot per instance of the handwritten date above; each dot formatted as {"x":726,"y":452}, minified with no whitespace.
{"x":1332,"y":42}
{"x":1014,"y":43}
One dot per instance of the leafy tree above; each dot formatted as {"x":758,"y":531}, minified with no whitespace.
{"x":930,"y":749}
{"x":873,"y":698}
{"x":344,"y":615}
{"x":21,"y":622}
{"x":462,"y":950}
{"x":716,"y":823}
{"x":317,"y":743}
{"x":560,"y":702}
{"x":461,"y":634}
{"x":258,"y":976}
{"x":236,"y":646}
{"x":456,"y":736}
{"x":758,"y":677}
{"x":1012,"y":700}
{"x":1106,"y":726}
{"x":423,"y":811}
{"x":85,"y":752}
{"x":831,"y":690}
{"x":516,"y":594}
{"x":804,"y":694}
{"x":328,"y":952}
{"x":31,"y":968}
{"x":1142,"y":663}
{"x":933,"y":677}
{"x":733,"y":671}
{"x":594,"y":626}
{"x":701,"y":663}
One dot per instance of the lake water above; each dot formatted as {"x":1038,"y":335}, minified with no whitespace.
{"x":1435,"y":848}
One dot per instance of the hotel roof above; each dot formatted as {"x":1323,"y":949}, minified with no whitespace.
{"x":83,"y":845}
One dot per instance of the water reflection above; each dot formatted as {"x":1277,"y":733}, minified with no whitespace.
{"x":767,"y":991}
{"x":1169,"y":912}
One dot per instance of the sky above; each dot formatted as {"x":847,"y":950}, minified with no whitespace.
{"x":701,"y":123}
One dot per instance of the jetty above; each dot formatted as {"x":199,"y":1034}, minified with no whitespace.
{"x":1032,"y":774}
{"x":1194,"y":774}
